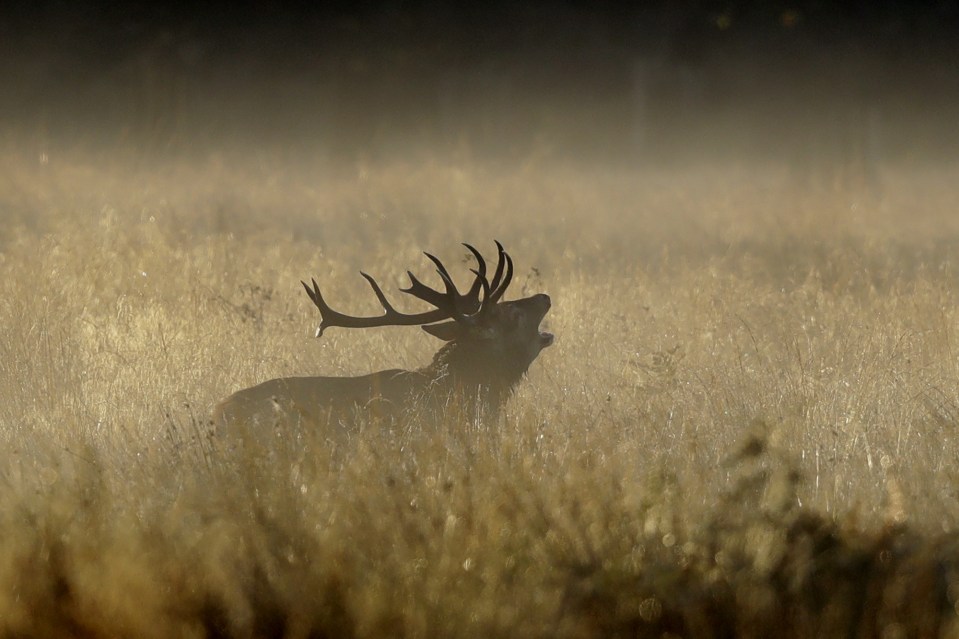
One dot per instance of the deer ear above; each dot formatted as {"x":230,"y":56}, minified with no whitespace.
{"x":447,"y":331}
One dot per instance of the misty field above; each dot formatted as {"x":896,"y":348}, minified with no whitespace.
{"x":747,"y":424}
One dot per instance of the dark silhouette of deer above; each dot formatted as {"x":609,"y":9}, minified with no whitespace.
{"x":490,"y":344}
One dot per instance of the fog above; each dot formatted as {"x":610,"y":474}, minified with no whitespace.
{"x":811,"y":87}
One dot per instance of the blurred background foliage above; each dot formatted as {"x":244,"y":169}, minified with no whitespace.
{"x":656,"y":83}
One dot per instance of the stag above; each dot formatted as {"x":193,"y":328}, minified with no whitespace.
{"x":490,"y":344}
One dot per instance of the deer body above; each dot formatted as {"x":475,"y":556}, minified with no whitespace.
{"x":489,"y":347}
{"x":320,"y":399}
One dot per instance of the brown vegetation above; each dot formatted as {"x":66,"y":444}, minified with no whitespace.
{"x":747,"y":425}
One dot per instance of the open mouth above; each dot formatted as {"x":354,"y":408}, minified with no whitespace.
{"x":545,"y":337}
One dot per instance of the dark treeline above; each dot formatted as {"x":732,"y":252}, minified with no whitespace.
{"x":488,"y":26}
{"x":586,"y":78}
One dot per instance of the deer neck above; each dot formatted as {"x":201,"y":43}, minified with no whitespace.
{"x":474,"y":373}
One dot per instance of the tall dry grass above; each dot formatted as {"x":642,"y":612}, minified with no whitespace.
{"x":747,"y":423}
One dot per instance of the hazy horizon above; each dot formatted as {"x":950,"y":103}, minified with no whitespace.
{"x":667,"y":84}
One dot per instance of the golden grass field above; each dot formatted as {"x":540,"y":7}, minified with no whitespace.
{"x":747,"y":425}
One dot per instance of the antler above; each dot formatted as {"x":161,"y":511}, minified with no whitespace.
{"x":498,"y":287}
{"x":450,"y":304}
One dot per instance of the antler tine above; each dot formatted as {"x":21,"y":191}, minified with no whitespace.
{"x":447,"y":279}
{"x":390,"y":317}
{"x":379,"y":293}
{"x":327,"y":314}
{"x":465,"y":304}
{"x":424,"y":292}
{"x":499,"y":288}
{"x":506,"y":278}
{"x":472,"y":296}
{"x":484,"y":283}
{"x":453,"y":295}
{"x":315,"y":296}
{"x":500,"y":263}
